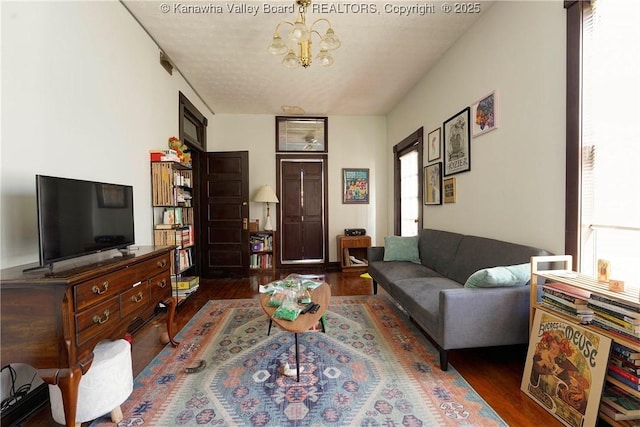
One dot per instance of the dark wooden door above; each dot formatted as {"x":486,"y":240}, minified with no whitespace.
{"x":225,"y":210}
{"x":302,"y":211}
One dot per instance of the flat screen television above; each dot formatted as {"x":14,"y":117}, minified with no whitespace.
{"x":78,"y":217}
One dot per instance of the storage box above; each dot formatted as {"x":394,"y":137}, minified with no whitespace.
{"x":186,"y":282}
{"x":254,"y":225}
{"x":257,"y":247}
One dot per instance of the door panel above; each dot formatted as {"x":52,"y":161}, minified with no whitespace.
{"x":302,"y":211}
{"x":225,"y":209}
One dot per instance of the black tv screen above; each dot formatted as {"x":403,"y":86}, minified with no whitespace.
{"x":78,"y":217}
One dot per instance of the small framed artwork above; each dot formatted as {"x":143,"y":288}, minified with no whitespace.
{"x":301,"y":134}
{"x":449,"y":188}
{"x":433,"y":149}
{"x":457,"y":148}
{"x":355,"y":185}
{"x":433,"y":184}
{"x":483,"y":114}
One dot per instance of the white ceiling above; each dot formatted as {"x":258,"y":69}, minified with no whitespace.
{"x":224,"y":55}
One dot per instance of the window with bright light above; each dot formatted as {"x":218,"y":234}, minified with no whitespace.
{"x":610,"y":178}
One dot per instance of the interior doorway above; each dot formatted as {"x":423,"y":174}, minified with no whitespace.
{"x":408,"y":177}
{"x":302,"y":212}
{"x":224,"y":214}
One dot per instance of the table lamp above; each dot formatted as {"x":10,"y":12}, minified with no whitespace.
{"x":266,"y":195}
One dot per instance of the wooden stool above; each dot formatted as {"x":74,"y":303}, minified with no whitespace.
{"x":105,"y":386}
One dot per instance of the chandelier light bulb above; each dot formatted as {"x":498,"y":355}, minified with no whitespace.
{"x":330,"y":41}
{"x":299,"y":32}
{"x":277,"y":46}
{"x":324,"y":58}
{"x":291,"y":60}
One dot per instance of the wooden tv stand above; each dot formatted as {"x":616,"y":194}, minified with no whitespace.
{"x":53,"y":321}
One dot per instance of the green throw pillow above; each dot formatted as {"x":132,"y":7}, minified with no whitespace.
{"x":398,"y":248}
{"x":511,"y":275}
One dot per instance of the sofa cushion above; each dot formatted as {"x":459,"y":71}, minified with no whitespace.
{"x":386,"y":272}
{"x":511,"y":275}
{"x":401,"y":248}
{"x":475,"y":253}
{"x":438,"y":249}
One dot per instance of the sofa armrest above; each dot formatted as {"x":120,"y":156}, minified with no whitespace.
{"x":375,"y":253}
{"x":480,"y":317}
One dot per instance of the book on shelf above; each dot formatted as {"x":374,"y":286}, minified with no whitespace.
{"x":185,"y":282}
{"x":616,"y":330}
{"x":613,"y":368}
{"x":567,"y":290}
{"x":624,"y":351}
{"x":614,"y":414}
{"x":577,"y":305}
{"x":612,"y":312}
{"x":582,"y":317}
{"x":620,"y":311}
{"x":632,"y":366}
{"x":622,"y":379}
{"x":621,"y":400}
{"x":632,"y":309}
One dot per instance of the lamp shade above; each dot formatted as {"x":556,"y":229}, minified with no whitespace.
{"x":266,"y":194}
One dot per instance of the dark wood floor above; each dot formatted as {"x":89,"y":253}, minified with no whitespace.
{"x":495,"y":373}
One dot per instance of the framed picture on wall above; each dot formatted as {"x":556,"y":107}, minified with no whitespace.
{"x":355,"y":185}
{"x":433,"y":147}
{"x":449,"y":189}
{"x":457,"y":147}
{"x":433,"y":184}
{"x":483,"y":115}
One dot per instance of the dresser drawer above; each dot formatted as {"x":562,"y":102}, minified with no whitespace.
{"x":104,"y":287}
{"x":160,"y":286}
{"x":99,"y":319}
{"x":135,"y":299}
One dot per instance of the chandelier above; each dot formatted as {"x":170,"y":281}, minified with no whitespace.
{"x":300,"y":37}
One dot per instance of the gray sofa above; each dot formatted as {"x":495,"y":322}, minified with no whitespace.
{"x":434,"y":296}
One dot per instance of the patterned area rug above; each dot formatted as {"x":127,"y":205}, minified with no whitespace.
{"x":372,"y":367}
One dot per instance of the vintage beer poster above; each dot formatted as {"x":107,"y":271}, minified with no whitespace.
{"x":566,"y":365}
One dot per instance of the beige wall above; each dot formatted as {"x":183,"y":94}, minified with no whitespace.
{"x":83,"y":101}
{"x":515,"y":189}
{"x":353,"y":141}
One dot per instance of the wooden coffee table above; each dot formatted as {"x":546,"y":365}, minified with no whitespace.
{"x":320,"y":295}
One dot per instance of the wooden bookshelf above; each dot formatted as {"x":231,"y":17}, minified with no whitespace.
{"x":262,"y":251}
{"x":563,"y":273}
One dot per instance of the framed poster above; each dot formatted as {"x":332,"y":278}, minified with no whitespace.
{"x":565,"y":369}
{"x":457,"y":148}
{"x":433,"y":184}
{"x":301,"y":134}
{"x":483,"y":114}
{"x":433,"y":147}
{"x":355,"y":185}
{"x":449,"y":189}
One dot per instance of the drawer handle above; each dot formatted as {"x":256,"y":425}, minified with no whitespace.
{"x":96,"y":289}
{"x":98,"y":320}
{"x":162,"y":283}
{"x":162,"y":263}
{"x":137,"y":298}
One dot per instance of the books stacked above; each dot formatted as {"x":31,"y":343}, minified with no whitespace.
{"x":617,"y":317}
{"x":185,"y":285}
{"x":261,"y":242}
{"x":261,"y":261}
{"x":618,"y":404}
{"x":568,"y":300}
{"x":164,"y":155}
{"x":624,"y":366}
